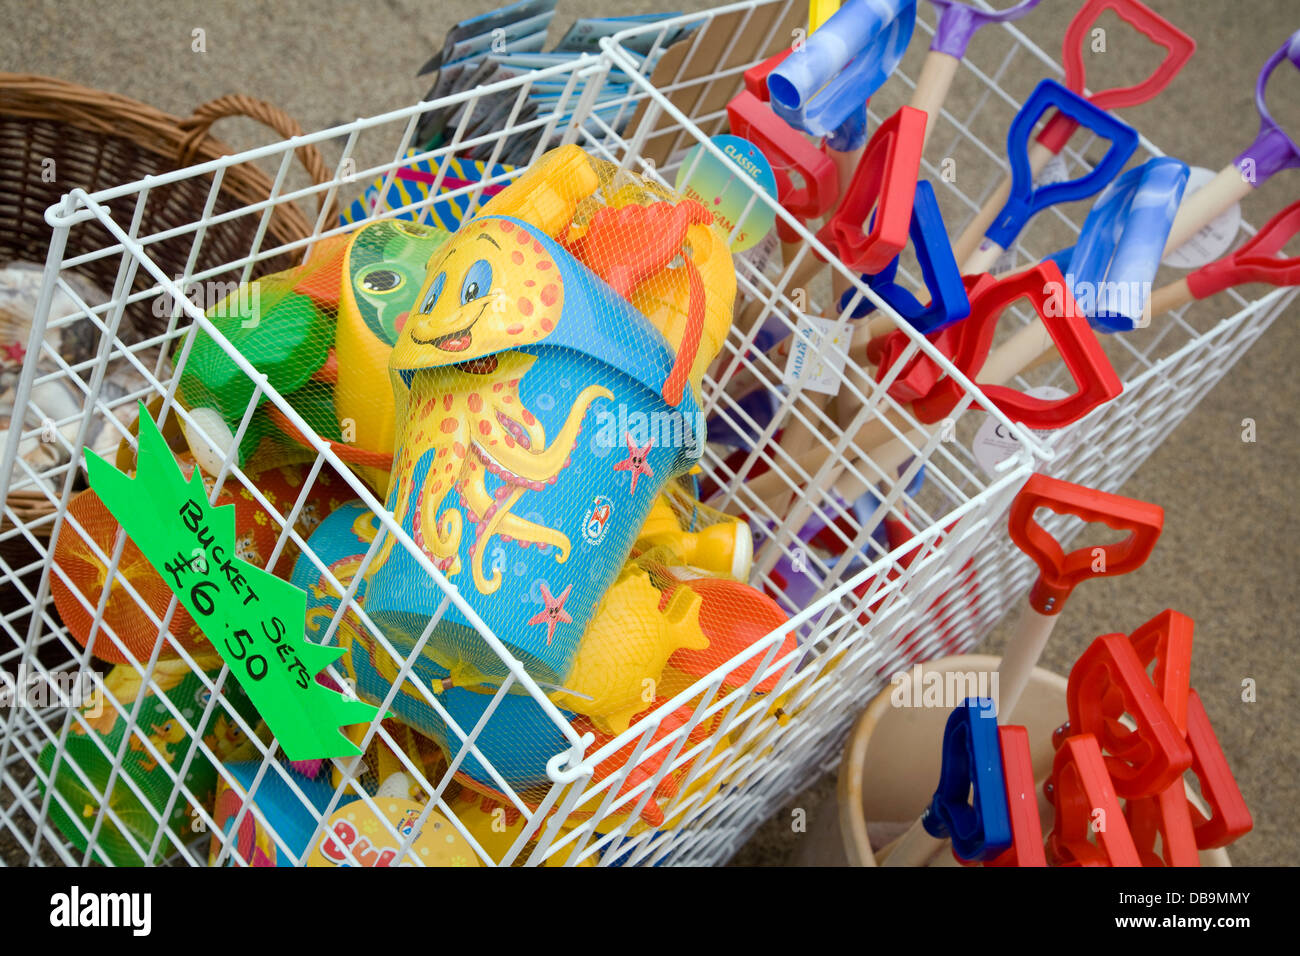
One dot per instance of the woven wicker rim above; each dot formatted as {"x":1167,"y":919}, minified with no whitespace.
{"x":178,"y":142}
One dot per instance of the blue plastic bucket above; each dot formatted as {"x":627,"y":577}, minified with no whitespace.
{"x":525,"y":472}
{"x":518,"y":738}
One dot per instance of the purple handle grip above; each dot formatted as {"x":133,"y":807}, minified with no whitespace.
{"x":1273,"y":150}
{"x":958,"y":23}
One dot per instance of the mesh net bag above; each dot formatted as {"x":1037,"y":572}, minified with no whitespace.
{"x":547,"y":399}
{"x":150,"y":753}
{"x":321,"y":333}
{"x":541,"y":411}
{"x":525,"y":394}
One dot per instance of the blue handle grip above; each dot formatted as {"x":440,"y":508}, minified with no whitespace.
{"x":818,"y":87}
{"x":1025,"y":201}
{"x":1111,"y":268}
{"x":972,"y":768}
{"x":948,"y":300}
{"x":1119,"y":250}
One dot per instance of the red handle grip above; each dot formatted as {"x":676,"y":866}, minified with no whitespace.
{"x":1045,"y":290}
{"x":1178,"y":45}
{"x":1168,"y":818}
{"x":1229,"y":816}
{"x":1026,"y":830}
{"x":921,"y":377}
{"x":1255,"y":261}
{"x":1166,"y":640}
{"x":1107,"y":682}
{"x":884,"y":180}
{"x":786,"y":150}
{"x":1080,"y":787}
{"x":1059,"y":572}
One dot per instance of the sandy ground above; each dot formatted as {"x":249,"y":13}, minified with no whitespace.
{"x":1228,"y":555}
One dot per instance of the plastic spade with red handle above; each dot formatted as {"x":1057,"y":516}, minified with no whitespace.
{"x":1059,"y":572}
{"x":1165,"y":640}
{"x":968,"y":343}
{"x":1044,"y":288}
{"x":873,"y":221}
{"x":1107,"y":682}
{"x":1083,"y":797}
{"x":883,"y":182}
{"x":1256,"y":261}
{"x":1178,"y":47}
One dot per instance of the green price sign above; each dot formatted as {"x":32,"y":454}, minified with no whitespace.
{"x":254,"y":620}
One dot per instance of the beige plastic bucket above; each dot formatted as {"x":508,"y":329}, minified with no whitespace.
{"x":891,"y":765}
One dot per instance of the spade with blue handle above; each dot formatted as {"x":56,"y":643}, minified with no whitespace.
{"x":1178,"y":47}
{"x":1025,"y":200}
{"x":970,"y":805}
{"x":948,"y":303}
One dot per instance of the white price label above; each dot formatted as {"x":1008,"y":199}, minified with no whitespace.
{"x":817,"y":355}
{"x":761,"y":254}
{"x":994,"y":445}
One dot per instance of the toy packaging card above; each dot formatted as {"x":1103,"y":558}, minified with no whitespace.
{"x":584,"y":36}
{"x":499,"y":46}
{"x":498,"y":21}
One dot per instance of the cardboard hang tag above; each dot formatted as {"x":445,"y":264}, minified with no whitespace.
{"x":818,"y":353}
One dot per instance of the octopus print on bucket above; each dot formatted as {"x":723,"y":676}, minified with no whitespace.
{"x":513,"y":349}
{"x":471,"y":420}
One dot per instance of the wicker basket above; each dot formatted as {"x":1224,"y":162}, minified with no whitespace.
{"x":97,"y":140}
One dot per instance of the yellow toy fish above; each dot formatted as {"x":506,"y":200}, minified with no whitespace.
{"x":622,"y":656}
{"x":124,"y":683}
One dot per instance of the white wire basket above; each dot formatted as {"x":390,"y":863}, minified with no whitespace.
{"x":690,"y":778}
{"x":1166,"y":368}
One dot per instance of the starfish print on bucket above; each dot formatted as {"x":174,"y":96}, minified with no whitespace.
{"x":637,"y":461}
{"x":553,"y":614}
